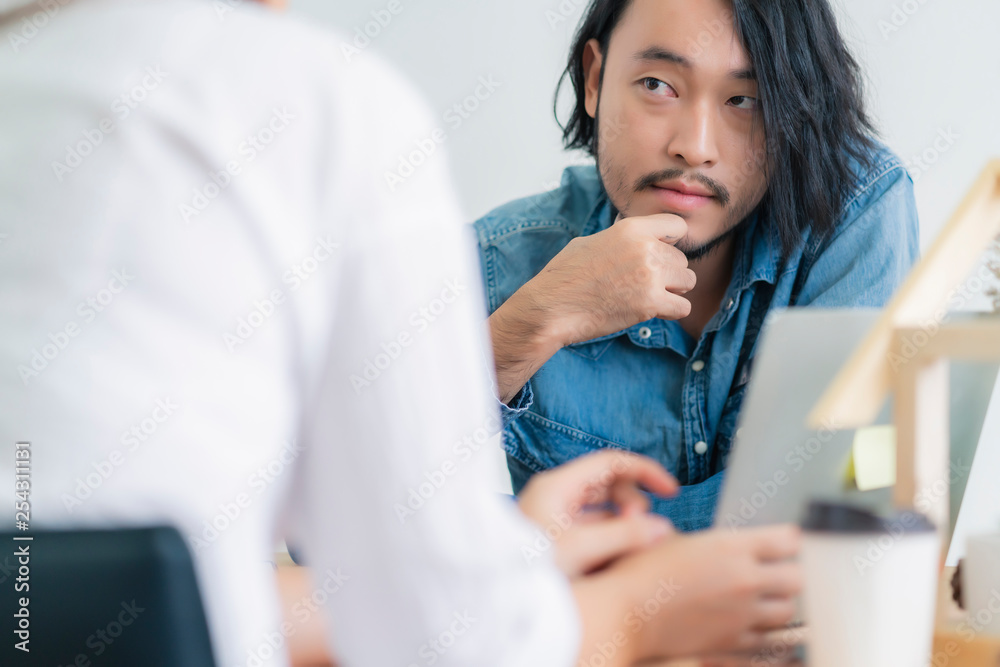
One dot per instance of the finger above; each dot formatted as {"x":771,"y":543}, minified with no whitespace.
{"x":586,"y":547}
{"x":772,"y":543}
{"x":774,"y":614}
{"x":595,"y":516}
{"x":663,"y":226}
{"x":602,"y":470}
{"x":782,"y":579}
{"x":679,"y":280}
{"x":671,"y":255}
{"x":628,"y":498}
{"x":672,"y":307}
{"x":751,"y":640}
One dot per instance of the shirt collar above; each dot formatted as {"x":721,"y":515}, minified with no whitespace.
{"x":758,"y":253}
{"x":602,"y":216}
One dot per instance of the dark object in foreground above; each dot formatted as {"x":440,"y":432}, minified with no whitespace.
{"x":114,"y":598}
{"x":956,"y":586}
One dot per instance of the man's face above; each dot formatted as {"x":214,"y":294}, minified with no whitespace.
{"x":679,"y":130}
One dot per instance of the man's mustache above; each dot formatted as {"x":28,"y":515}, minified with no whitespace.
{"x":718,"y":190}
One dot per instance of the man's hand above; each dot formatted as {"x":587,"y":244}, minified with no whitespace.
{"x":607,"y":282}
{"x":596,"y":509}
{"x":724,"y":591}
{"x":597,"y":285}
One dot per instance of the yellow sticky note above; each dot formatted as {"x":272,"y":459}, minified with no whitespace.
{"x":849,"y":481}
{"x":874,"y":457}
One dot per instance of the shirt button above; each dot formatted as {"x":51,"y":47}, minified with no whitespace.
{"x":645,"y":333}
{"x":700,"y":447}
{"x":731,"y":303}
{"x":698,"y":366}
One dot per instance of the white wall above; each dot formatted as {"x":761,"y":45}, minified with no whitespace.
{"x":933,"y":69}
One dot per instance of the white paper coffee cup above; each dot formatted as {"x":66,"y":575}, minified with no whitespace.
{"x":981,"y":583}
{"x":870,"y":587}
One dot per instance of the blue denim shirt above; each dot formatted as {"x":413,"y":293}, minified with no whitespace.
{"x":652,"y":388}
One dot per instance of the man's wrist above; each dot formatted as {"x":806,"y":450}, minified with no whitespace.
{"x":525,"y":321}
{"x":523,"y":340}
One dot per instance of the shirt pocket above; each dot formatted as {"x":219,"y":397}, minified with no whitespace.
{"x":592,"y":350}
{"x":541,"y":443}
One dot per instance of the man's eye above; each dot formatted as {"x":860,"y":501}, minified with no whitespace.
{"x":744,"y":102}
{"x":654,"y":85}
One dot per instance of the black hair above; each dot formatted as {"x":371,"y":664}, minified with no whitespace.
{"x":811,"y":100}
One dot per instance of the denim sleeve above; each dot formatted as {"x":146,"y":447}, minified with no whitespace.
{"x":872,"y":252}
{"x":525,"y":397}
{"x":518,"y":405}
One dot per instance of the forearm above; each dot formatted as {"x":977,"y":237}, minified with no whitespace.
{"x":523,"y":340}
{"x":603,"y":610}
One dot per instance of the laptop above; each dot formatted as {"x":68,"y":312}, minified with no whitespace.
{"x":778,"y":465}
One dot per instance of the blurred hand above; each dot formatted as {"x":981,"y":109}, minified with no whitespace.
{"x":712,"y":593}
{"x":596,"y":508}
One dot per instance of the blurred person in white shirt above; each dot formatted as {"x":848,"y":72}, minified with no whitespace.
{"x":218,"y":314}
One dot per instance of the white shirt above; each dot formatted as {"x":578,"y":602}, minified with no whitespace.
{"x":219,"y":312}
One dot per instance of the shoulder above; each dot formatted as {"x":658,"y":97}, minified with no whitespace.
{"x":879,"y":204}
{"x":566,"y":209}
{"x":883,"y":174}
{"x":874,"y":245}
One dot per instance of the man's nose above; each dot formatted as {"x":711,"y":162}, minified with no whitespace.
{"x":694,"y":137}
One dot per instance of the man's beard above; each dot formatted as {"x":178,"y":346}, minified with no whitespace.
{"x":614,"y":175}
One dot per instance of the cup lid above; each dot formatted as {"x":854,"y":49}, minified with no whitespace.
{"x":830,"y":517}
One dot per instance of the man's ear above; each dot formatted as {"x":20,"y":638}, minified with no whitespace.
{"x":593,"y":59}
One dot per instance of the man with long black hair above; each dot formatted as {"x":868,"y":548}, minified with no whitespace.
{"x":736,"y":173}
